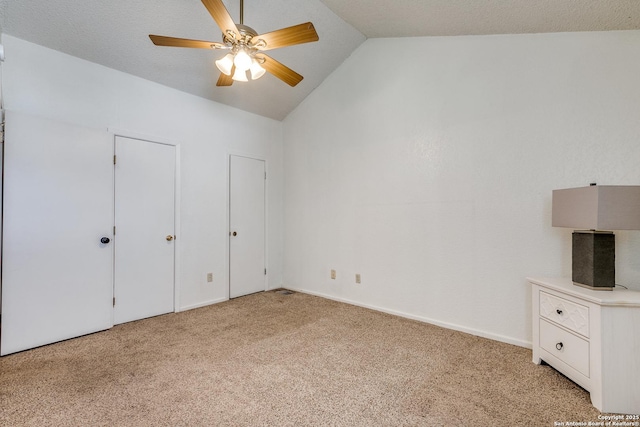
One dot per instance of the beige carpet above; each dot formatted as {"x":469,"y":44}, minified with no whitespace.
{"x":284,"y":360}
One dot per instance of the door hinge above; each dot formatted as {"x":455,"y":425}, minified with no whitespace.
{"x":114,"y":301}
{"x":265,"y":271}
{"x":265,"y":175}
{"x":114,"y":159}
{"x":114,"y":230}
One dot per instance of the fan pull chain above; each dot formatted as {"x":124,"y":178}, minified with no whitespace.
{"x":241,"y":12}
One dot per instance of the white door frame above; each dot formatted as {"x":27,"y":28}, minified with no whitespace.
{"x":228,"y":213}
{"x":177,"y":231}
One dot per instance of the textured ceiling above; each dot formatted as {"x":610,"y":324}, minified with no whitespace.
{"x":114,"y":33}
{"x":410,"y":18}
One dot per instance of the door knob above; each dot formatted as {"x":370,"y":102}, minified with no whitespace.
{"x":105,"y":240}
{"x":235,"y":233}
{"x":169,"y":238}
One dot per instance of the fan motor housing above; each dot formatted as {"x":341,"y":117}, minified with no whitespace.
{"x":246,"y":30}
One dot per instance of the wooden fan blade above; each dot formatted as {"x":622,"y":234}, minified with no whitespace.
{"x":302,"y":33}
{"x":225,"y":80}
{"x":220,"y":14}
{"x":176,"y":42}
{"x":281,"y":71}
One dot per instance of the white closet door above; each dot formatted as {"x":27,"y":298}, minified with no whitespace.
{"x":144,"y":218}
{"x":247,"y":226}
{"x":58,"y":204}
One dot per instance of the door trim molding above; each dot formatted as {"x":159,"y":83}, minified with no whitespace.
{"x":177,"y":272}
{"x":228,"y":220}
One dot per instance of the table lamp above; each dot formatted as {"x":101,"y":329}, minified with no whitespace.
{"x":593,"y":209}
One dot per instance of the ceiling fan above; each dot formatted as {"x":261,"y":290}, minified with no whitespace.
{"x":247,"y":46}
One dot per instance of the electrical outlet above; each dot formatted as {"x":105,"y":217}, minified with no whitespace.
{"x":358,"y":278}
{"x":209,"y":277}
{"x":333,"y":274}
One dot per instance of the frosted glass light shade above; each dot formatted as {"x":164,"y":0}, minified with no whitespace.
{"x":256,"y":70}
{"x":240,"y":75}
{"x":225,"y":64}
{"x":597,"y":207}
{"x":242,"y":60}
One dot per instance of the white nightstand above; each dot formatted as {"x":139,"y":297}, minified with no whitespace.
{"x":592,"y":337}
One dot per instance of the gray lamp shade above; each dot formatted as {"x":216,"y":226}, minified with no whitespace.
{"x":597,"y":207}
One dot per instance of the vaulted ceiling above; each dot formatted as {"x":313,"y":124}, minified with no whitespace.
{"x":114,"y":33}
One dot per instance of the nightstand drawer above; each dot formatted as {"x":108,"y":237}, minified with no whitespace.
{"x":566,"y":313}
{"x":571,"y":349}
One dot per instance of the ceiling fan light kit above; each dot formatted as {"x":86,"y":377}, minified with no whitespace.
{"x":242,"y":61}
{"x":247,"y":47}
{"x":256,"y":70}
{"x":225,"y":64}
{"x":240,"y":76}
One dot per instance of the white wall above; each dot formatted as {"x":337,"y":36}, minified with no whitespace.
{"x":46,"y":83}
{"x":1,"y":175}
{"x":427,"y":165}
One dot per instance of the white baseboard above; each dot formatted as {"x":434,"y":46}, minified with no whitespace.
{"x":476,"y":332}
{"x":202,"y":304}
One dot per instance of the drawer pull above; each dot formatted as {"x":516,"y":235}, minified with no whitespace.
{"x":559,"y":346}
{"x":559,"y":312}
